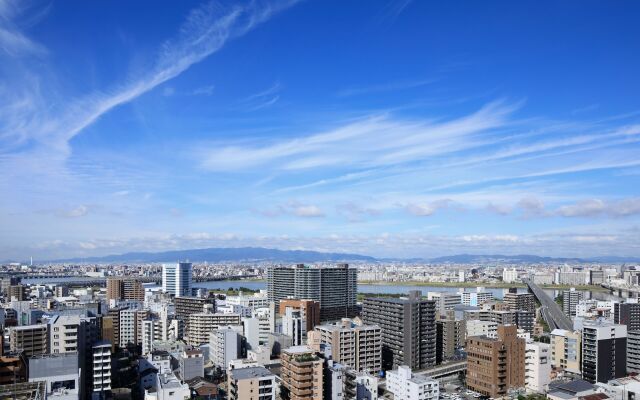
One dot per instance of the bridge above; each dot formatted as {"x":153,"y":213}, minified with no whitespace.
{"x":80,"y":280}
{"x":625,"y":292}
{"x":550,"y":310}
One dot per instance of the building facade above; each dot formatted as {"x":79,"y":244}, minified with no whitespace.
{"x":301,"y":374}
{"x":176,"y":278}
{"x":406,"y":386}
{"x":604,"y":351}
{"x":408,"y":329}
{"x":355,"y":346}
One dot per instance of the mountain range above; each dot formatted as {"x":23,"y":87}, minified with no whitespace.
{"x":255,"y":254}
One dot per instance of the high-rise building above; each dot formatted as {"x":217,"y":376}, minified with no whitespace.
{"x":226,"y":345}
{"x":627,"y":314}
{"x":251,"y":383}
{"x":176,"y":278}
{"x":102,"y":367}
{"x":496,"y":365}
{"x":202,"y":324}
{"x":294,"y":325}
{"x":509,"y":275}
{"x":407,"y":386}
{"x":408,"y":328}
{"x":604,"y":351}
{"x":537,"y":367}
{"x":476,"y":298}
{"x":354,"y":345}
{"x":31,"y":340}
{"x":633,"y":352}
{"x":570,"y":300}
{"x":450,"y":335}
{"x":310,"y":310}
{"x":120,"y":288}
{"x":596,"y":277}
{"x":445,"y":300}
{"x":566,"y":351}
{"x":520,"y":301}
{"x":131,"y":326}
{"x":301,"y":373}
{"x":335,"y":288}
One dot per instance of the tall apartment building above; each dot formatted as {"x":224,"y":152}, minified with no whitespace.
{"x":476,"y":298}
{"x":633,"y":352}
{"x":537,"y":366}
{"x":445,"y":300}
{"x":604,"y":351}
{"x":152,"y":331}
{"x":294,"y":325}
{"x":301,"y":374}
{"x":408,"y":328}
{"x":31,"y":340}
{"x":226,"y":345}
{"x":310,"y":310}
{"x":17,"y":292}
{"x":596,"y":277}
{"x":251,"y":383}
{"x":101,"y":367}
{"x":72,"y":333}
{"x":520,"y":301}
{"x":355,"y":346}
{"x":509,"y":275}
{"x":570,"y":300}
{"x":476,"y":327}
{"x":450,"y":336}
{"x":202,"y":324}
{"x":176,"y":278}
{"x":566,"y":350}
{"x":627,"y":314}
{"x":335,"y":288}
{"x":406,"y":386}
{"x":496,"y":365}
{"x":120,"y":288}
{"x":187,"y":305}
{"x":131,"y":326}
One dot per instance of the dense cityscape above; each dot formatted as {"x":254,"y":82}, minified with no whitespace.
{"x":303,"y":331}
{"x":319,"y":200}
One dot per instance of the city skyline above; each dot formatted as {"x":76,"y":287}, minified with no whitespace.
{"x":403,"y":129}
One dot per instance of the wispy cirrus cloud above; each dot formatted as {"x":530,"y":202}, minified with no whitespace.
{"x":387,"y":87}
{"x":13,"y":42}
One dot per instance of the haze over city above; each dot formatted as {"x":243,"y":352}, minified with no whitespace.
{"x":391,"y":129}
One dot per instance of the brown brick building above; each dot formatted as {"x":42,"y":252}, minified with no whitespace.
{"x":496,"y":365}
{"x":124,"y":289}
{"x":310,"y":310}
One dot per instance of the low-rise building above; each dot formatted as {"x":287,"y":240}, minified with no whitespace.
{"x":407,"y":386}
{"x":252,"y":383}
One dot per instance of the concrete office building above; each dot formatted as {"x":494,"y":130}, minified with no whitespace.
{"x":445,"y":300}
{"x":335,"y":288}
{"x":251,"y":383}
{"x":310,"y":310}
{"x":476,"y":298}
{"x":176,"y":278}
{"x":496,"y":365}
{"x":570,"y":300}
{"x":301,"y":374}
{"x":408,"y":329}
{"x":353,"y":345}
{"x":537,"y":367}
{"x":597,"y":277}
{"x":201,"y":325}
{"x":124,"y":289}
{"x":520,"y":301}
{"x":31,"y":340}
{"x":450,"y":337}
{"x":604,"y":351}
{"x":59,"y":372}
{"x":566,"y":351}
{"x":407,"y":386}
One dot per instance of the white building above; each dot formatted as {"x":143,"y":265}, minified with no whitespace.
{"x":461,"y":276}
{"x":176,"y":278}
{"x":476,"y":298}
{"x":152,"y":331}
{"x":258,"y":327}
{"x":509,"y":275}
{"x":257,"y":300}
{"x":294,"y":325}
{"x":168,"y":387}
{"x":537,"y":367}
{"x":225,"y":345}
{"x":446,"y":300}
{"x":102,"y":366}
{"x":366,"y":386}
{"x":475,"y":327}
{"x":406,"y":386}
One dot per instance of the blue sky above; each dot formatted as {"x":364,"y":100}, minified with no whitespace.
{"x":390,"y":128}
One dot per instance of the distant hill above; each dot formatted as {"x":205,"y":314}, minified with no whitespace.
{"x":523,"y":258}
{"x":226,"y":254}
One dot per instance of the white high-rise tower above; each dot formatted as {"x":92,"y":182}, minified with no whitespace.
{"x":176,"y":278}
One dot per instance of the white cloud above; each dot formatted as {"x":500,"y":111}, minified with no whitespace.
{"x":77,"y":212}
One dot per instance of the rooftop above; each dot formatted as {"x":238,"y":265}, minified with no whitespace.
{"x":250,"y":373}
